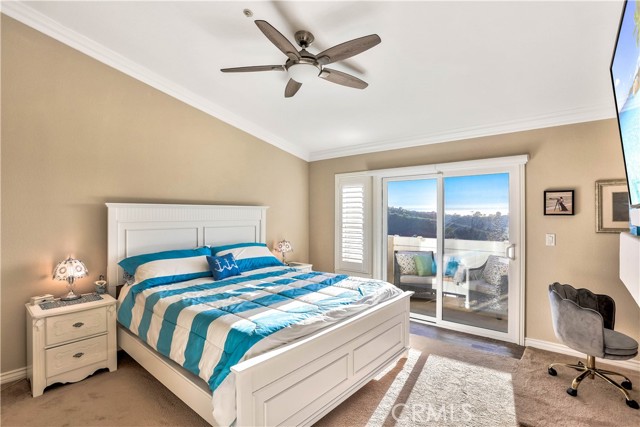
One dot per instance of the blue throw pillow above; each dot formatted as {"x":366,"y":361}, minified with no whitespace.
{"x":452,"y":267}
{"x":249,"y":256}
{"x":223,"y":266}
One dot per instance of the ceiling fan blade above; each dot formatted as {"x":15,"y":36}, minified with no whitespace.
{"x":344,"y":79}
{"x":348,"y":49}
{"x":278,"y":39}
{"x":292,"y":88}
{"x":254,"y":68}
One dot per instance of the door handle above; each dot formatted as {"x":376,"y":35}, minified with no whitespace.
{"x":510,"y":251}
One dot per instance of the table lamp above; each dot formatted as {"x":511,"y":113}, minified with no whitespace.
{"x":70,"y":269}
{"x":283,"y":247}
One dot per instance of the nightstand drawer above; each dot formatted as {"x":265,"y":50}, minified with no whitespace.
{"x":72,"y":326}
{"x":75,"y":355}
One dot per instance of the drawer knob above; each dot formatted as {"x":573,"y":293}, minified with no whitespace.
{"x":78,"y":355}
{"x":77,"y":324}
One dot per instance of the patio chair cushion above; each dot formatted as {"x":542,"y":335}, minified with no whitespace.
{"x":407,"y":264}
{"x":424,"y":265}
{"x":494,"y":270}
{"x":411,"y":279}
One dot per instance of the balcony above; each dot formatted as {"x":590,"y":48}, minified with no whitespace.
{"x":471,"y":295}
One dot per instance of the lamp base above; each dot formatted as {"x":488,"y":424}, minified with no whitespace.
{"x":70,"y":296}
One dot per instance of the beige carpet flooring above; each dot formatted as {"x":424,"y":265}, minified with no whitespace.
{"x":131,"y":397}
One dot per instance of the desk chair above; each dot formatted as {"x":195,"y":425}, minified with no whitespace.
{"x":584,"y":321}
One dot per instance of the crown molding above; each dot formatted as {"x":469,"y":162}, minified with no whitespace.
{"x":560,"y":118}
{"x":28,"y":16}
{"x":19,"y":11}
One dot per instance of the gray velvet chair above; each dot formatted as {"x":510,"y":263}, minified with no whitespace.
{"x":584,"y":321}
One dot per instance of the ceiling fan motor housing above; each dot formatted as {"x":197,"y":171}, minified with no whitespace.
{"x":303,"y":38}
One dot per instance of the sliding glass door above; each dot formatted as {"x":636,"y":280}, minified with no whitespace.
{"x":412,"y":225}
{"x":451,"y":238}
{"x":475,"y":281}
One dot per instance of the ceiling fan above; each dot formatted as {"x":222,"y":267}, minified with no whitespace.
{"x":303,"y":66}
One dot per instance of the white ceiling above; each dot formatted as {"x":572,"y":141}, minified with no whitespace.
{"x":444,"y":70}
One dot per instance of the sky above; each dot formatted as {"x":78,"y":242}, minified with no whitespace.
{"x":487,"y":194}
{"x":627,"y":56}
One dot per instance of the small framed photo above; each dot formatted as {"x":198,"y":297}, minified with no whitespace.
{"x":558,"y":202}
{"x":612,"y":206}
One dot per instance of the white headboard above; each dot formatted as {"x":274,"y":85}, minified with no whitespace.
{"x":138,"y":228}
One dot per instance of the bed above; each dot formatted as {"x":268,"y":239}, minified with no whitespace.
{"x":294,"y":384}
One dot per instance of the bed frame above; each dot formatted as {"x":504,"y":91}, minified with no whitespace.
{"x":296,"y":384}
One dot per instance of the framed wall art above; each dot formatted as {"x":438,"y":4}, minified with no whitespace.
{"x":559,"y":202}
{"x":612,"y":206}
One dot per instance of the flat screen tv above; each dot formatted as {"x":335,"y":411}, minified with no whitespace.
{"x":626,"y":87}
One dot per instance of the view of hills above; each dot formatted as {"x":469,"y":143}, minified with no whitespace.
{"x":477,"y":226}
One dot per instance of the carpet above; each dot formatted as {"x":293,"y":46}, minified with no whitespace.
{"x":129,"y":396}
{"x":542,"y":400}
{"x":434,"y":370}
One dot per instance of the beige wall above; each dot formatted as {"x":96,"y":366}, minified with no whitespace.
{"x":76,"y":134}
{"x":572,"y":156}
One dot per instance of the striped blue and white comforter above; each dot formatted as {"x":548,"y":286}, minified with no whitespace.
{"x":208,"y":326}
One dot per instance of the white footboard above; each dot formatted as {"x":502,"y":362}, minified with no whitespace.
{"x":300,"y":383}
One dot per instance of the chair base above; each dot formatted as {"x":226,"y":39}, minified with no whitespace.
{"x":590,"y":370}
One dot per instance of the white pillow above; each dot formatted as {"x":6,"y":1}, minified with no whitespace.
{"x":407,"y":264}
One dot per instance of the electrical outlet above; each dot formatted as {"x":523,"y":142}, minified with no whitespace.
{"x":551,"y":239}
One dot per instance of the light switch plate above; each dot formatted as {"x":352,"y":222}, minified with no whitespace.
{"x":551,"y":239}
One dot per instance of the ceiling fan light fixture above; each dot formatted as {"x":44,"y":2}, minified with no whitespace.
{"x":304,"y":72}
{"x":303,"y":66}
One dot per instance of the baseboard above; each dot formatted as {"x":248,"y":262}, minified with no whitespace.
{"x":632,"y":364}
{"x":15,"y":375}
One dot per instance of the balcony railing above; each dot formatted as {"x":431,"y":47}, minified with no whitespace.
{"x":470,"y":253}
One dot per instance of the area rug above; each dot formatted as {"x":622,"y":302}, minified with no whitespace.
{"x":449,"y":392}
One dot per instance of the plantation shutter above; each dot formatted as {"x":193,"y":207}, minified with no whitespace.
{"x":353,"y":225}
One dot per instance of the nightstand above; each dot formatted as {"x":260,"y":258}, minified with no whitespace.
{"x":302,"y":266}
{"x":69,"y":343}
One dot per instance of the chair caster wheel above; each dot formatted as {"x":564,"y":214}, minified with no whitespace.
{"x":627,"y":385}
{"x":552,"y":372}
{"x":574,"y":393}
{"x":633,"y":404}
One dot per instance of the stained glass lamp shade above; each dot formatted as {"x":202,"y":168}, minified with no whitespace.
{"x":69,"y":270}
{"x":283,"y":247}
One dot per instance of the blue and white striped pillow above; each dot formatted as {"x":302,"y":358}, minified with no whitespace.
{"x":169,"y":266}
{"x":249,"y":256}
